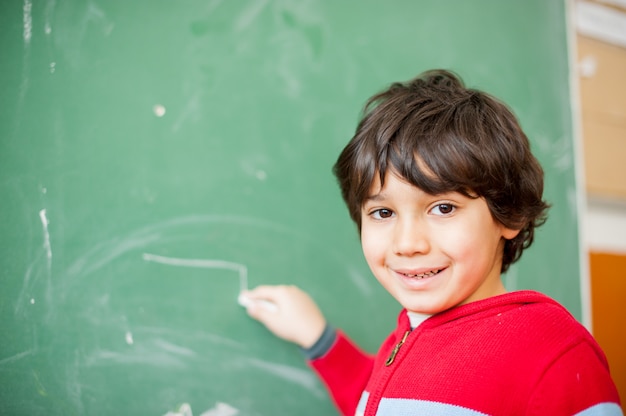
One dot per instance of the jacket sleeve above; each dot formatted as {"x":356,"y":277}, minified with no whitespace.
{"x":577,"y":383}
{"x":345,"y":370}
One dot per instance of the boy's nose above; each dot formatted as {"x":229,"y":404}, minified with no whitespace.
{"x":410,"y":238}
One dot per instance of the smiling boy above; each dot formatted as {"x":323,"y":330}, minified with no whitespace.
{"x":446,"y":195}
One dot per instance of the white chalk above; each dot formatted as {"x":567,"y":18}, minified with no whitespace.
{"x":246,"y":302}
{"x":159,"y":110}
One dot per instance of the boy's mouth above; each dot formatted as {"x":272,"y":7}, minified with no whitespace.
{"x":421,"y":275}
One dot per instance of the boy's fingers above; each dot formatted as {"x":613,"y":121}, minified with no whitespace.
{"x":267,"y":292}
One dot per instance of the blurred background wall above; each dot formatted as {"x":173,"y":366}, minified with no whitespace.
{"x":600,"y":38}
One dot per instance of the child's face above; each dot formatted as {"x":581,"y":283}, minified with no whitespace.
{"x":431,"y":252}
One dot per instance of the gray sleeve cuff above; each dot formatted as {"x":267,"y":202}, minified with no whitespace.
{"x":322,"y":345}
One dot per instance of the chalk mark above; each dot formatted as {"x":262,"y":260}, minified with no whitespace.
{"x":291,"y":374}
{"x":28,"y":21}
{"x":46,"y":234}
{"x":203,"y":263}
{"x":16,"y":357}
{"x":220,"y":409}
{"x":26,"y":286}
{"x":249,"y":15}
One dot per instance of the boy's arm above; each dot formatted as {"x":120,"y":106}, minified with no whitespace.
{"x":577,"y":383}
{"x":344,"y":369}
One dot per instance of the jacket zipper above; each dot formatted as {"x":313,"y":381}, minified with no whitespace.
{"x":393,"y":354}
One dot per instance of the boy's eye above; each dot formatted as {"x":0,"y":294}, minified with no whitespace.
{"x":382,"y":213}
{"x":443,"y":209}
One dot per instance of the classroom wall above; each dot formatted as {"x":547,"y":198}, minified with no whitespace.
{"x":603,"y":93}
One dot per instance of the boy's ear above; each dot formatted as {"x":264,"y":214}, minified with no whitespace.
{"x":509,"y":233}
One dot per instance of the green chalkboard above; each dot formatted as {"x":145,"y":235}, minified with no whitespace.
{"x":156,"y":154}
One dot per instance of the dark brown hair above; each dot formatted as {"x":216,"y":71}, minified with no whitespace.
{"x":443,"y":137}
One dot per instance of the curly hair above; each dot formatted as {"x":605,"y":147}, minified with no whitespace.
{"x":443,"y":137}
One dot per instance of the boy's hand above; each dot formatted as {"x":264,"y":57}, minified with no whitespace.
{"x":296,"y":317}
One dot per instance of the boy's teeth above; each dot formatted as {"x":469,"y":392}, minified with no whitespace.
{"x":423,"y":275}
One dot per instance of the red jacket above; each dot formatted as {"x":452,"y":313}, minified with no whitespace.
{"x":520,"y":353}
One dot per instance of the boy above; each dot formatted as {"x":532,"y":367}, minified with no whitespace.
{"x":446,"y":195}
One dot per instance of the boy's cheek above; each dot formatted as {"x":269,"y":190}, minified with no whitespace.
{"x":373,"y":253}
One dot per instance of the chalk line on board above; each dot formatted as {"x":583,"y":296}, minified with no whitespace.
{"x":46,"y":234}
{"x":28,"y":21}
{"x":16,"y":357}
{"x":173,"y":348}
{"x":203,"y":263}
{"x":26,"y":285}
{"x":196,"y":336}
{"x":107,"y":251}
{"x":150,"y":354}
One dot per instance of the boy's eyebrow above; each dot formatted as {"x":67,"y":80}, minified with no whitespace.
{"x":374,"y":197}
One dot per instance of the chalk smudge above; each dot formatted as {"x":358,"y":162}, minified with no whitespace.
{"x":159,"y":110}
{"x":220,"y":409}
{"x":183,"y":410}
{"x":249,"y":15}
{"x":294,"y":375}
{"x":360,"y":281}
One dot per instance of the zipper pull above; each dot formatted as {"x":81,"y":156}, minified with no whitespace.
{"x":396,"y":349}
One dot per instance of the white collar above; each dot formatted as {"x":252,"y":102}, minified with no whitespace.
{"x":417,"y":318}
